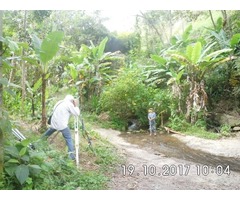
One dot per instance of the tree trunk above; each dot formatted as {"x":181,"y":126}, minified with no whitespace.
{"x":171,"y":25}
{"x":144,"y":16}
{"x":214,"y":25}
{"x":44,"y":117}
{"x":33,"y":105}
{"x":225,"y":18}
{"x":196,"y":100}
{"x":24,"y":71}
{"x":1,"y":102}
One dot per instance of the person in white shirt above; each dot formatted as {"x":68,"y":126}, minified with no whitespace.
{"x":59,"y":121}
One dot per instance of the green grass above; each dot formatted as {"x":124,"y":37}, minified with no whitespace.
{"x":92,"y":119}
{"x":198,"y":132}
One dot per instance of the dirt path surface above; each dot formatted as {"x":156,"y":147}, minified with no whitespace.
{"x":145,"y":169}
{"x":229,"y":147}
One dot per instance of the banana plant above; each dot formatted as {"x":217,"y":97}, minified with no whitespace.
{"x":196,"y":61}
{"x":45,"y":51}
{"x":166,"y":73}
{"x":93,"y":67}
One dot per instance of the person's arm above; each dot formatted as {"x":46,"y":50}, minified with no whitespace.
{"x":154,"y":116}
{"x":74,"y":109}
{"x":149,"y":118}
{"x":75,"y":102}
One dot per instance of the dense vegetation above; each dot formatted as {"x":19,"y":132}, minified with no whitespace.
{"x":181,"y":63}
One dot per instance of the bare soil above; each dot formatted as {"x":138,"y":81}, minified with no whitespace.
{"x":144,"y":169}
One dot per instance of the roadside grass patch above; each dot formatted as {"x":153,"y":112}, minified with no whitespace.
{"x":201,"y":133}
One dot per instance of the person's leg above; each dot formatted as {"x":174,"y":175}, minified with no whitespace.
{"x":49,"y":132}
{"x":150,"y":128}
{"x":68,"y":138}
{"x":154,"y":127}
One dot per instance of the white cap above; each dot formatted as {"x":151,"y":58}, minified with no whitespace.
{"x":69,"y":97}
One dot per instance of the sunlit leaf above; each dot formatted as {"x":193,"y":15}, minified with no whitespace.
{"x":22,"y":151}
{"x":50,"y":46}
{"x":187,"y":32}
{"x":101,"y":47}
{"x":196,"y":52}
{"x":159,"y":59}
{"x":235,"y":40}
{"x":13,"y":161}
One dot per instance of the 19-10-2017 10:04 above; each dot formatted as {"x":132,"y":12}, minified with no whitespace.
{"x":173,"y":170}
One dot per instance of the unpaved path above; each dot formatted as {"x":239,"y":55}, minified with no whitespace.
{"x":228,"y":147}
{"x":157,"y":172}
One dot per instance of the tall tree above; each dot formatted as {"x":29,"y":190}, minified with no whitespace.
{"x":45,"y":51}
{"x":196,"y":62}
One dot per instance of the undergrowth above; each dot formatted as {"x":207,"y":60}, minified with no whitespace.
{"x":48,"y":167}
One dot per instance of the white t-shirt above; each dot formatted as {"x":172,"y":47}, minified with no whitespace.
{"x":62,"y":112}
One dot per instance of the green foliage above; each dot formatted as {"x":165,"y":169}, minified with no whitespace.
{"x":217,"y":85}
{"x":202,"y":133}
{"x":91,"y":70}
{"x":47,"y":48}
{"x":91,"y":180}
{"x":5,"y":122}
{"x":92,"y":67}
{"x":18,"y":163}
{"x":49,"y":169}
{"x":194,"y":52}
{"x":198,"y":129}
{"x":178,"y":123}
{"x":225,"y":130}
{"x":105,"y":157}
{"x":162,"y":102}
{"x":127,"y":97}
{"x":235,"y":40}
{"x":12,"y":45}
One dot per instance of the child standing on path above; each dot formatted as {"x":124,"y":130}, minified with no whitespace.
{"x":152,"y":121}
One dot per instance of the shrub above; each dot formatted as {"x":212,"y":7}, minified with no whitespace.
{"x":127,"y":97}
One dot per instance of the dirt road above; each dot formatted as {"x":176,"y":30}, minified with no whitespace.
{"x":145,"y":169}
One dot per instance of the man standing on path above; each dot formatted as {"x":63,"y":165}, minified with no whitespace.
{"x":60,"y":118}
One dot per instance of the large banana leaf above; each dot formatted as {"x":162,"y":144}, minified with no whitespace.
{"x":196,"y":52}
{"x":101,"y":48}
{"x":215,"y":54}
{"x":181,"y":58}
{"x":36,"y":44}
{"x":159,"y":59}
{"x":50,"y":46}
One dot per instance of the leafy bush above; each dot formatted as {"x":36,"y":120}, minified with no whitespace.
{"x":47,"y":168}
{"x":225,"y":130}
{"x":20,"y":165}
{"x":127,"y":97}
{"x":162,"y":103}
